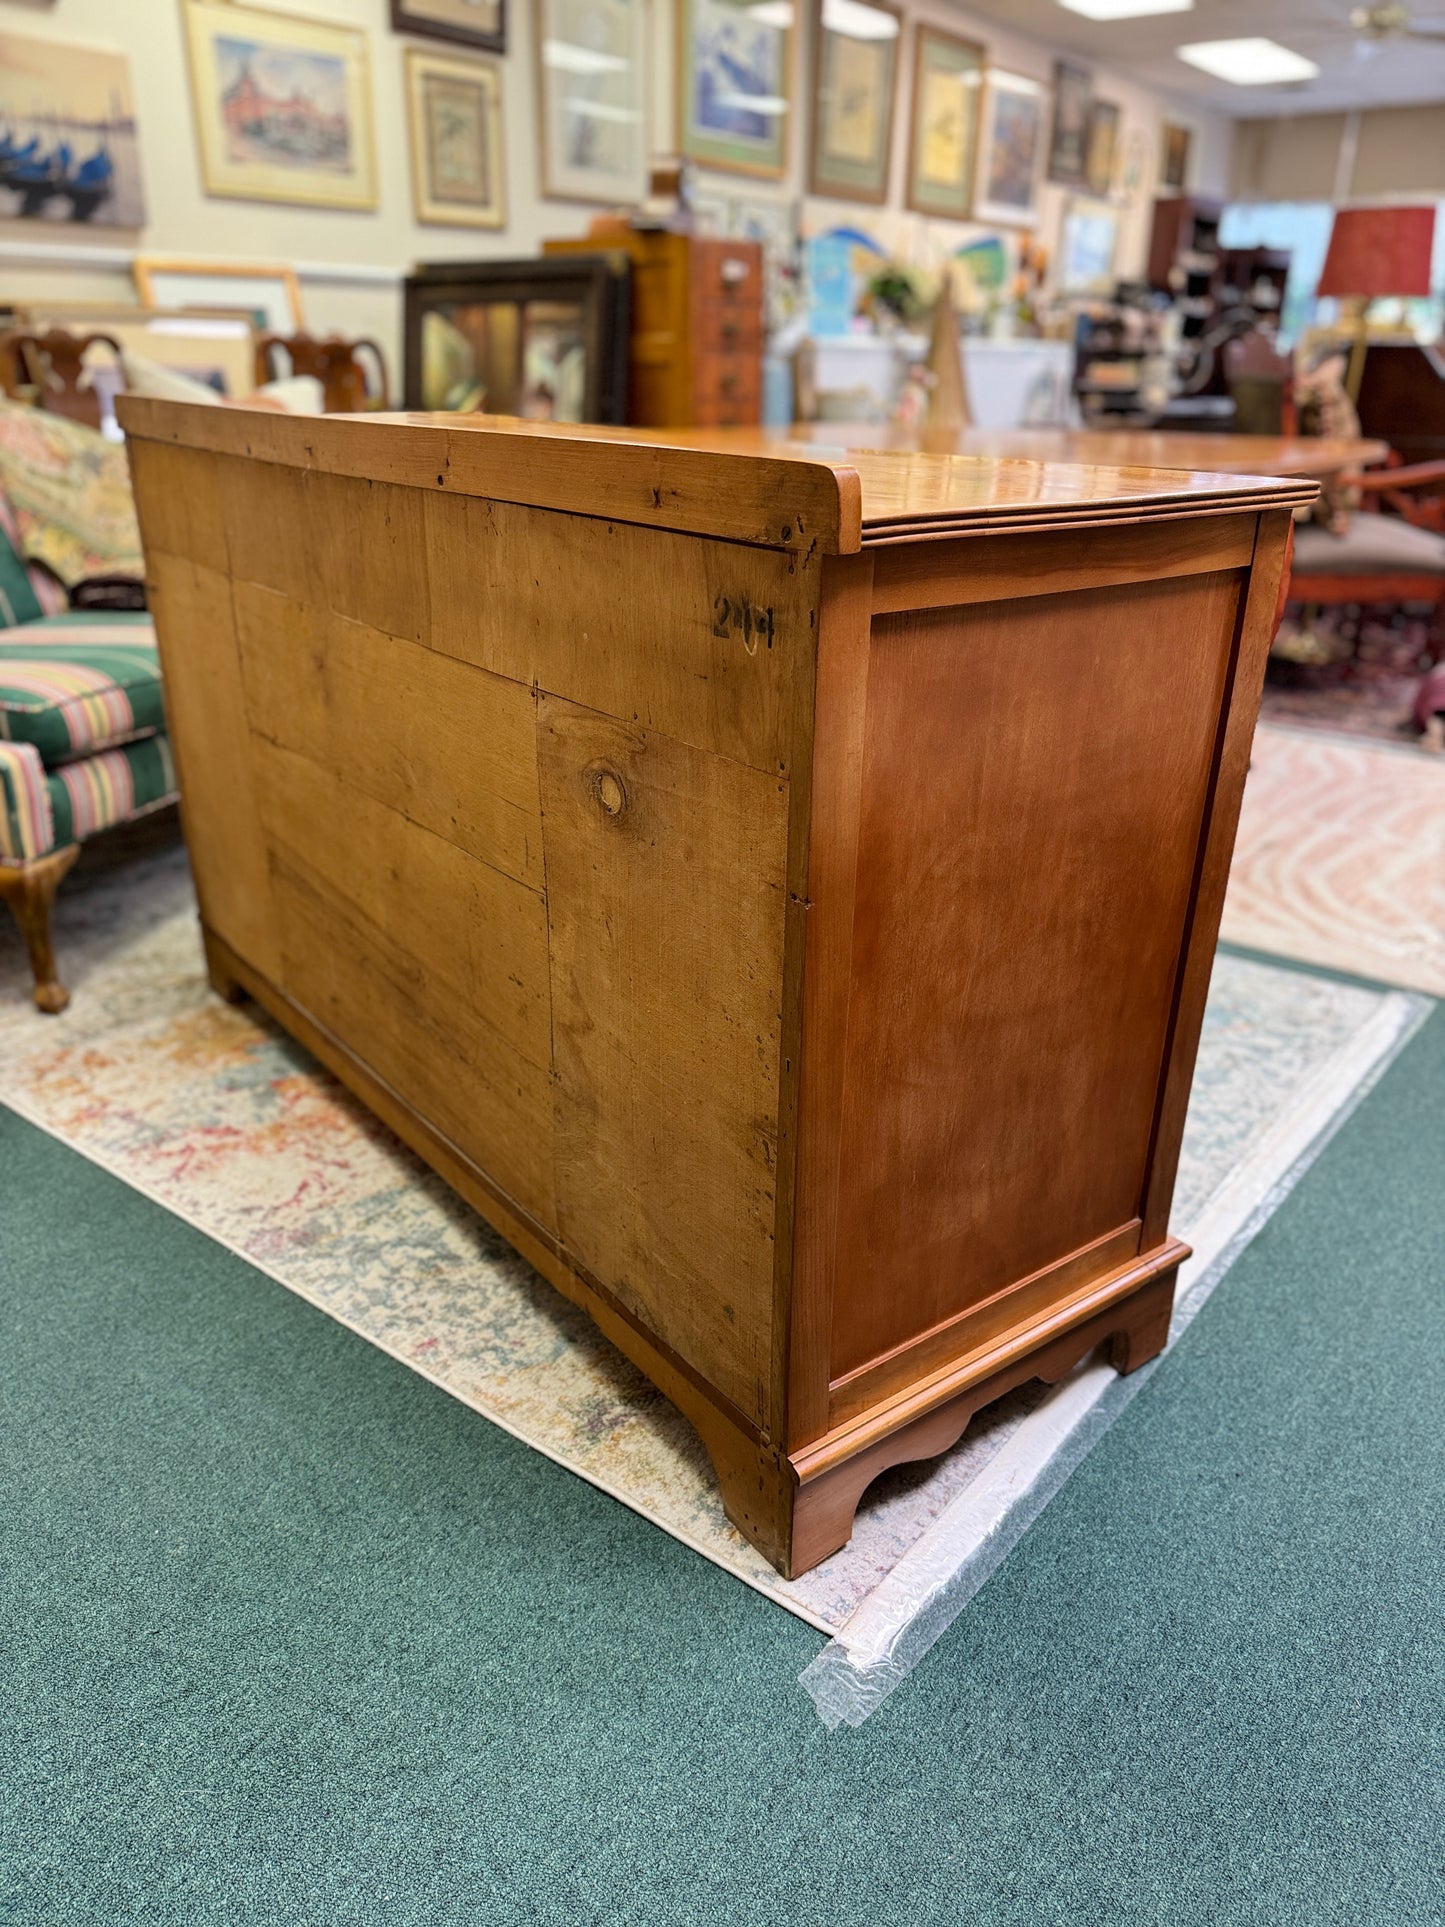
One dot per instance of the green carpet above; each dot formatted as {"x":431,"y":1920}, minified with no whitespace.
{"x":288,"y":1636}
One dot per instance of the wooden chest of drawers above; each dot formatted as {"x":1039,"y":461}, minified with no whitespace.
{"x":697,"y":328}
{"x":779,"y":893}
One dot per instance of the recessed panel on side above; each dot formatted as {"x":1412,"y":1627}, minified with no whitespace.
{"x":1035,"y":778}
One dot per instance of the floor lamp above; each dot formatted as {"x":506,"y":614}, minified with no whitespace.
{"x":1375,"y":252}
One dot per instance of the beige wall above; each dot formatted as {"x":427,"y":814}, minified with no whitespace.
{"x":349,"y":261}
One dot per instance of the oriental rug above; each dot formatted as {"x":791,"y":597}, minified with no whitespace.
{"x":212,"y":1111}
{"x":1340,"y":859}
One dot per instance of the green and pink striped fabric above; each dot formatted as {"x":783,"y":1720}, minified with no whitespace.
{"x":70,"y":685}
{"x":43,"y":810}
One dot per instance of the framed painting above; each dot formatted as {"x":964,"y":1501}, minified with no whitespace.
{"x":592,"y":72}
{"x":454,"y":106}
{"x":1176,"y":142}
{"x":1010,"y":148}
{"x":943,"y":140}
{"x":855,"y":74}
{"x":271,"y":296}
{"x":1136,"y":162}
{"x":69,"y":149}
{"x":1069,"y":134}
{"x":1101,"y":149}
{"x":283,"y":106}
{"x":544,"y":339}
{"x":1088,"y":242}
{"x":735,"y":84}
{"x":474,"y":23}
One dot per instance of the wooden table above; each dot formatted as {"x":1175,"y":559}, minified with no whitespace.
{"x":778,"y":891}
{"x":1299,"y":456}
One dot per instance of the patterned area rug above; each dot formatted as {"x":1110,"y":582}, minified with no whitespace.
{"x":1370,"y":692}
{"x":215,"y":1113}
{"x":1341,"y":858}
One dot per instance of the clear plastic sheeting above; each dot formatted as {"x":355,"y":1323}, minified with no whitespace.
{"x":930,"y":1586}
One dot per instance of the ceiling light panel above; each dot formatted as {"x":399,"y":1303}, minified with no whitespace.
{"x":1125,"y":9}
{"x":1249,"y":63}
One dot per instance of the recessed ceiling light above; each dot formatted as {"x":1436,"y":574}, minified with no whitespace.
{"x":1248,"y":63}
{"x":1125,"y":9}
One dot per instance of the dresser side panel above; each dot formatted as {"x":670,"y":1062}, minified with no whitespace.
{"x":1036,"y":774}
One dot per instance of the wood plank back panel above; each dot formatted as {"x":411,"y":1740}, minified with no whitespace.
{"x":449,"y":1066}
{"x":710,"y":642}
{"x":667,"y":886}
{"x":1034,"y":785}
{"x":206,"y":709}
{"x":438,"y":740}
{"x":477,"y":932}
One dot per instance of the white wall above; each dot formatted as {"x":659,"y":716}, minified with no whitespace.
{"x":348,"y":259}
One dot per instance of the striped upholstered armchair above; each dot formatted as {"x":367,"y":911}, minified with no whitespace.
{"x":82,"y":748}
{"x":82,"y":726}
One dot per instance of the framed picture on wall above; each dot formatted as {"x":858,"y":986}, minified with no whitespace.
{"x":855,"y":74}
{"x":943,"y":140}
{"x":475,"y":23}
{"x":283,"y":106}
{"x":1101,"y":150}
{"x":454,"y":107}
{"x":67,"y":118}
{"x":1069,"y":135}
{"x":1088,"y":242}
{"x":1175,"y":142}
{"x":592,"y":72}
{"x":542,"y":339}
{"x":1010,"y":148}
{"x":735,"y":84}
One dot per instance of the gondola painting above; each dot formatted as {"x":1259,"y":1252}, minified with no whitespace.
{"x":69,"y":149}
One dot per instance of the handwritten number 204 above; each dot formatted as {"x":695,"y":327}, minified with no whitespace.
{"x":736,"y":616}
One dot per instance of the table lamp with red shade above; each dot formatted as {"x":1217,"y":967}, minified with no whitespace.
{"x":1374,"y":252}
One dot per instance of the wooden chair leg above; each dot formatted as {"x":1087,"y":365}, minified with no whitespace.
{"x":29,"y":891}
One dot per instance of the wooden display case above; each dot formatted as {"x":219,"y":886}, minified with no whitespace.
{"x":777,"y":891}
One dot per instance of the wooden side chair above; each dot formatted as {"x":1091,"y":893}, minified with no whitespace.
{"x":338,"y":364}
{"x":49,"y":369}
{"x":1389,"y":560}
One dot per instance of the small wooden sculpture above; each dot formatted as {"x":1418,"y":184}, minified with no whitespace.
{"x":948,"y":398}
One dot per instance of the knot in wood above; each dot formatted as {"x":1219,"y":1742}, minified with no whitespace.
{"x":610,"y":791}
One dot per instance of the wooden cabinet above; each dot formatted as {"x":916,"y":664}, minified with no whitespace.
{"x":696,"y":354}
{"x":1184,"y":244}
{"x":778,"y":893}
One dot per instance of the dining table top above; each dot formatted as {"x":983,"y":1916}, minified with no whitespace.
{"x":1300,"y":457}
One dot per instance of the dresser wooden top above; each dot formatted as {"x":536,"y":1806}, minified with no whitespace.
{"x":788,"y":496}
